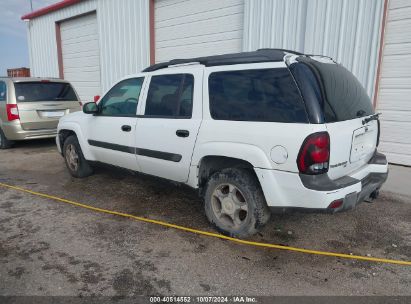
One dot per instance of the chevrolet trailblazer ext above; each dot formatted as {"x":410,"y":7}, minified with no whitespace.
{"x":271,"y":129}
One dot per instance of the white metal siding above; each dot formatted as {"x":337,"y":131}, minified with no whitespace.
{"x":394,"y":97}
{"x":346,"y":30}
{"x":195,"y":28}
{"x":81,"y":55}
{"x":42,"y":38}
{"x":123,"y":27}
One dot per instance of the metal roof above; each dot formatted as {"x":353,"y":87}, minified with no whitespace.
{"x":49,"y":9}
{"x":262,"y":55}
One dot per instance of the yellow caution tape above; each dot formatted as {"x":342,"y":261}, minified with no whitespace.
{"x":211,"y":234}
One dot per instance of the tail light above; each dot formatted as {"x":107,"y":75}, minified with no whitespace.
{"x":314,"y":155}
{"x":336,"y":204}
{"x":12,"y":112}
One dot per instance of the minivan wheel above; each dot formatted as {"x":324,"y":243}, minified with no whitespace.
{"x":75,"y":161}
{"x":235,"y":203}
{"x":4,"y":142}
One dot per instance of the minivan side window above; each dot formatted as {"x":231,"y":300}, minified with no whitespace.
{"x":170,"y":96}
{"x":269,"y":95}
{"x":3,"y":91}
{"x":122,"y":99}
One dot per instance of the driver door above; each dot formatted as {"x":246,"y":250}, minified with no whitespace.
{"x":111,"y":133}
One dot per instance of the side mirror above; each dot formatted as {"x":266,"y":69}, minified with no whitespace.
{"x":90,"y":108}
{"x":96,"y":98}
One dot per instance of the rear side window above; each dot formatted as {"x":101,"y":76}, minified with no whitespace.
{"x":44,"y":91}
{"x":170,"y":96}
{"x":3,"y":91}
{"x":343,"y":96}
{"x":269,"y":95}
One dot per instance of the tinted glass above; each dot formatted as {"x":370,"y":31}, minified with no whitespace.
{"x":170,"y":96}
{"x":122,"y":99}
{"x":3,"y":91}
{"x":256,"y":95}
{"x":44,"y":91}
{"x":343,"y":96}
{"x":310,"y":90}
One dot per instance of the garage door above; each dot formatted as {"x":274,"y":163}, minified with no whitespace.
{"x":81,"y":59}
{"x":193,"y":28}
{"x":394,"y":100}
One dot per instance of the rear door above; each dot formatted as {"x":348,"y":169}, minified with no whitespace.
{"x":167,"y":131}
{"x":42,"y":103}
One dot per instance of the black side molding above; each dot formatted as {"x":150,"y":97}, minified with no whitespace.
{"x":106,"y":145}
{"x":158,"y":154}
{"x":139,"y":151}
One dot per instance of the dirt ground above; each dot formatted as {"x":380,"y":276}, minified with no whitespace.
{"x":50,"y":248}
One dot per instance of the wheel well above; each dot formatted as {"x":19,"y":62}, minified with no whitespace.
{"x":63,"y":135}
{"x":212,"y":164}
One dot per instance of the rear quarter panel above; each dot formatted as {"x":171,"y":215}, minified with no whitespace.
{"x":252,"y":141}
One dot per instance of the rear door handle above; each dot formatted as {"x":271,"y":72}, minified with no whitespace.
{"x":126,"y":128}
{"x":182,"y":133}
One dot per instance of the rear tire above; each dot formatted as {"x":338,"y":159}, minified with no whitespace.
{"x":235,"y":203}
{"x":74,"y":158}
{"x":4,"y":142}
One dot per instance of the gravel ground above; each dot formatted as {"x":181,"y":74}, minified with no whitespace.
{"x":50,"y":248}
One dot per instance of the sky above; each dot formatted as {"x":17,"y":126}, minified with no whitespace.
{"x":13,"y":32}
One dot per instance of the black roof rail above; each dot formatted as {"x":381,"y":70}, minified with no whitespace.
{"x":283,"y":50}
{"x":261,"y":55}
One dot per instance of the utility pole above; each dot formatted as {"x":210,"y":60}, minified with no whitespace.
{"x":31,"y":5}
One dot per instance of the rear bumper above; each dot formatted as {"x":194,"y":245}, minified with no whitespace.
{"x":286,"y":190}
{"x":370,"y":185}
{"x":14,"y":131}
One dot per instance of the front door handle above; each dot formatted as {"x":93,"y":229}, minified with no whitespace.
{"x":126,"y":128}
{"x":182,"y":133}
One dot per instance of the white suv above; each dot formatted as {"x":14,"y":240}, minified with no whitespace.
{"x":271,"y":129}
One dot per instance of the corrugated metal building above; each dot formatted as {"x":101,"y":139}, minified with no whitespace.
{"x":92,"y":43}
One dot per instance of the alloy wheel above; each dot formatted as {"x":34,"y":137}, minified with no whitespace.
{"x":229,"y":206}
{"x":72,"y":157}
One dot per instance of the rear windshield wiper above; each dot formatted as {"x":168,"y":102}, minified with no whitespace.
{"x":370,"y":118}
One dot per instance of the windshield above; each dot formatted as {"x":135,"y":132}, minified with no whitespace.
{"x":44,"y":91}
{"x":342,"y":95}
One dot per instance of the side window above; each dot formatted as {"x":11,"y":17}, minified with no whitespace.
{"x":256,"y":95}
{"x":122,"y":99}
{"x":3,"y":91}
{"x":170,"y":96}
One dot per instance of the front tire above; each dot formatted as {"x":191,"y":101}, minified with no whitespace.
{"x":4,"y":142}
{"x":235,"y":203}
{"x":74,"y":158}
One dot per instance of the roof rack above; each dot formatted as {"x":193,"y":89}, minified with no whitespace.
{"x":261,"y":55}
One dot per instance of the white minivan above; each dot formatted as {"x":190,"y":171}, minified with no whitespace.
{"x":254,"y":132}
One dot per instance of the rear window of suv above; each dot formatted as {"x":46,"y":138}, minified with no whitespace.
{"x":269,"y":95}
{"x":343,"y":96}
{"x":44,"y":91}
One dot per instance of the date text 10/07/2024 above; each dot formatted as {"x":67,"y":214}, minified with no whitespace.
{"x":205,"y":299}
